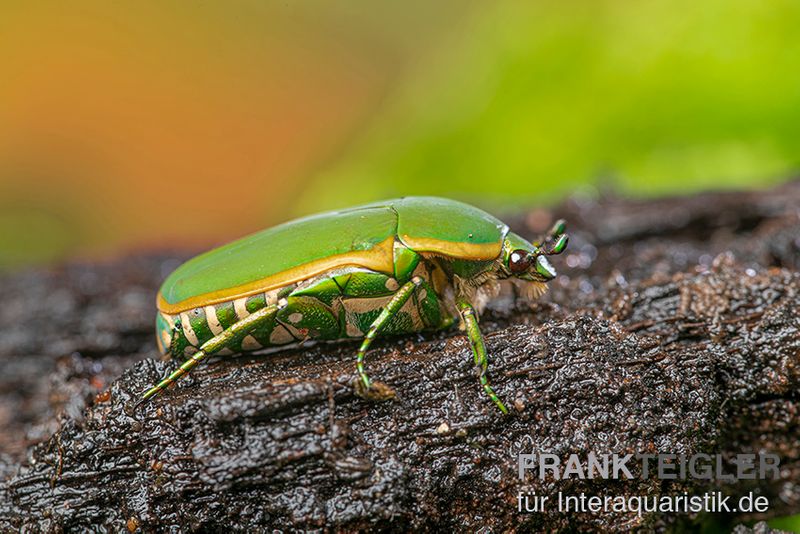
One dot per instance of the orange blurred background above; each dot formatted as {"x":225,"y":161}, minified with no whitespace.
{"x":129,"y":126}
{"x":179,"y":124}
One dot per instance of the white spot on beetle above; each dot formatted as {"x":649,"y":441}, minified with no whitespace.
{"x":170,"y":319}
{"x":364,"y":304}
{"x":280,"y":336}
{"x":295,"y":317}
{"x":271,"y":297}
{"x":213,"y":321}
{"x":240,"y":309}
{"x":188,"y":331}
{"x":353,"y":330}
{"x":391,"y":284}
{"x":250,"y":343}
{"x":164,"y":342}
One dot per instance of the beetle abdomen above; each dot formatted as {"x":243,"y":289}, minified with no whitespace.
{"x":336,"y":306}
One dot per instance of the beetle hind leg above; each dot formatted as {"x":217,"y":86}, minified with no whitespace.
{"x":221,"y":341}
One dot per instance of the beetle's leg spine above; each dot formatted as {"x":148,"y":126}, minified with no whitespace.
{"x":478,"y":350}
{"x":392,"y":307}
{"x":214,"y":345}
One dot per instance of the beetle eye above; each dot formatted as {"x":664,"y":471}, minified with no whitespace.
{"x":519,"y":261}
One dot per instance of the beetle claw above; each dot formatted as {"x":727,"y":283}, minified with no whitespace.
{"x":558,"y":246}
{"x":556,"y":240}
{"x":377,"y":391}
{"x":558,"y":229}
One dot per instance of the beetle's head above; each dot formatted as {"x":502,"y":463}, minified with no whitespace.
{"x":526,"y":261}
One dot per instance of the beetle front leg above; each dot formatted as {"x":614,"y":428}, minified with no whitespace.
{"x":214,"y":345}
{"x":364,"y":386}
{"x":556,"y":240}
{"x":470,"y":319}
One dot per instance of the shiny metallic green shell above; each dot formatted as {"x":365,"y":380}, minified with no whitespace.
{"x":361,"y":236}
{"x":391,"y":267}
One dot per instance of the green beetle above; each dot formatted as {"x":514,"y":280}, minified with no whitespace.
{"x":391,"y":267}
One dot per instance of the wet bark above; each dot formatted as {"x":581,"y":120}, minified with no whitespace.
{"x":674,"y":327}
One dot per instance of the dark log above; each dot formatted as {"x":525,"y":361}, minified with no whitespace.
{"x":674,"y":328}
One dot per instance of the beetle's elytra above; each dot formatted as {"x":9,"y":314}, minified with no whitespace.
{"x":391,"y":267}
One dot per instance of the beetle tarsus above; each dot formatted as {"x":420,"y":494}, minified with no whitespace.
{"x":470,"y":321}
{"x":152,"y":392}
{"x":377,"y":391}
{"x":555,"y":242}
{"x":558,"y":229}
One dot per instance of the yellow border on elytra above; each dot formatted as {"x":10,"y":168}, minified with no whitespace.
{"x":464,"y":251}
{"x":378,"y":258}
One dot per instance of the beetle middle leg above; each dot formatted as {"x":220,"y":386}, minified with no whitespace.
{"x":364,"y":386}
{"x":225,"y":339}
{"x":478,"y":349}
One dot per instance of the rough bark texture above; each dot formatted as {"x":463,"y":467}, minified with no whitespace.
{"x":674,"y":327}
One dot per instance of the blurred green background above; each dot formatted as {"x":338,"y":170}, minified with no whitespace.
{"x":129,"y":126}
